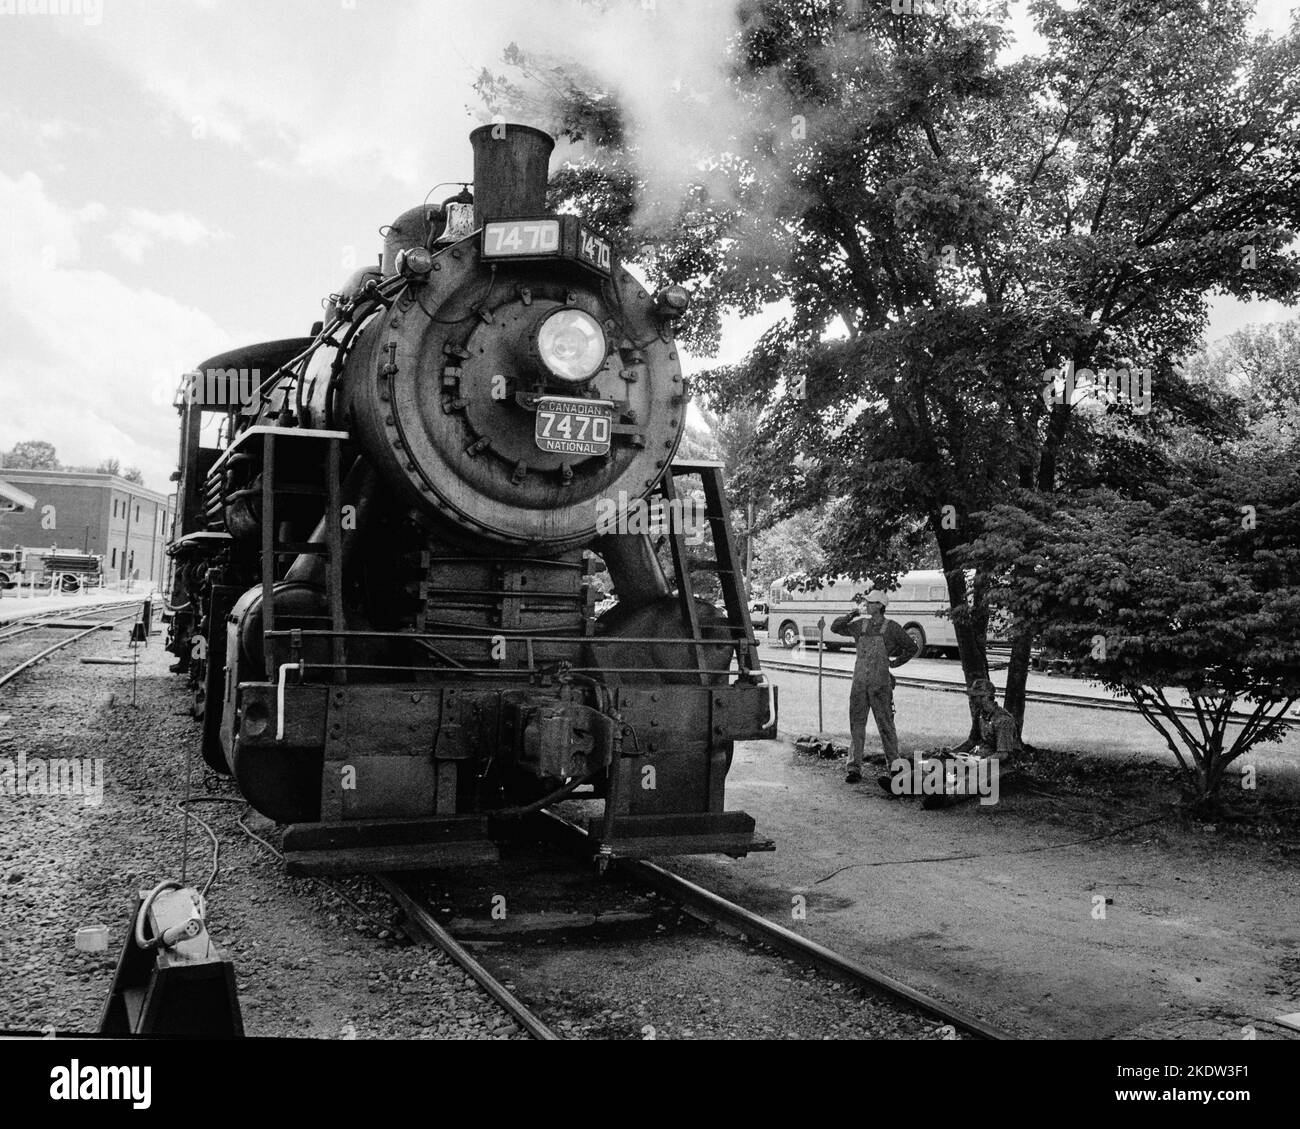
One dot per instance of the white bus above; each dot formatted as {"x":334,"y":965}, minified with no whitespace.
{"x":918,"y":604}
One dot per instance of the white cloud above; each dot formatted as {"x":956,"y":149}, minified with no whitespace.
{"x":87,"y":355}
{"x":144,"y":229}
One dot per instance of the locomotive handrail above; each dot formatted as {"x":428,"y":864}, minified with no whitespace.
{"x":281,"y":633}
{"x":259,"y":429}
{"x":301,"y":667}
{"x":499,"y":672}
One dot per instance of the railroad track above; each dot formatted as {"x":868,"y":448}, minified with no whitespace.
{"x":1077,"y":701}
{"x":420,"y":914}
{"x":13,"y":672}
{"x":56,"y":617}
{"x":699,"y":903}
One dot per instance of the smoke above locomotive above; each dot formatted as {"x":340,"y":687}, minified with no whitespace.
{"x":384,"y":568}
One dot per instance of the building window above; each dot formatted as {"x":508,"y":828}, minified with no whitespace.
{"x":137,"y":513}
{"x":131,"y":564}
{"x":113,"y":562}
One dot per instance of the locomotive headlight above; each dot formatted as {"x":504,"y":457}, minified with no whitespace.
{"x":414,"y":262}
{"x":571,"y":344}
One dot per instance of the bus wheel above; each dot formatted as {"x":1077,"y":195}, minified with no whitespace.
{"x":918,"y":637}
{"x":789,"y":636}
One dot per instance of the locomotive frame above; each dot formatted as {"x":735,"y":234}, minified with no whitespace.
{"x":387,"y":738}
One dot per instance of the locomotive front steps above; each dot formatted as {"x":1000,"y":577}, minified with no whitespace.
{"x":376,"y":845}
{"x":349,"y":846}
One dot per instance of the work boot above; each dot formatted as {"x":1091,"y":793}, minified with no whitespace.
{"x":853,"y":776}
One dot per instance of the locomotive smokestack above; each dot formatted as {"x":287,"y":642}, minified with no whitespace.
{"x":511,"y":164}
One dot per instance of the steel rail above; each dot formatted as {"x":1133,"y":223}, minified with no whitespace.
{"x":718,"y":910}
{"x":425,"y":922}
{"x":51,"y":618}
{"x":714,"y":909}
{"x":8,"y":677}
{"x":1078,"y":701}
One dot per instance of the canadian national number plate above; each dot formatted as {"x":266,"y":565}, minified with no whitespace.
{"x":573,"y":427}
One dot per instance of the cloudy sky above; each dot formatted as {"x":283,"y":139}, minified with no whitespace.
{"x":181,"y":176}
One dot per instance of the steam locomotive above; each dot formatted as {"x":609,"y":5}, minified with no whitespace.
{"x":384,"y":568}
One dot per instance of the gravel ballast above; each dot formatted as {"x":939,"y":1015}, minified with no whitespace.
{"x":307,"y":962}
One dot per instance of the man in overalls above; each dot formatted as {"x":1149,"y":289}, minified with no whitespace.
{"x":881,"y":644}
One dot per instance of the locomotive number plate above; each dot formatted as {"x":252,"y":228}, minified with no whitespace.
{"x":517,"y":239}
{"x":573,"y":427}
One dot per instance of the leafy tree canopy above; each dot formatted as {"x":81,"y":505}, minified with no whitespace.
{"x":1194,"y":588}
{"x":947,"y":227}
{"x":31,"y":454}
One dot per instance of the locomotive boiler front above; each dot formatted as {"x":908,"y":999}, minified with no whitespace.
{"x":522,"y":376}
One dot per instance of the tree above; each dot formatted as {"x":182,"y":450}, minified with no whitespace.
{"x":964,"y":226}
{"x":134,"y":474}
{"x":32,"y":454}
{"x":1196,"y":589}
{"x":788,"y":546}
{"x":1260,"y":364}
{"x":109,"y":466}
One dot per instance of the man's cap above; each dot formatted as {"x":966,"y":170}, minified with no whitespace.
{"x":980,"y":688}
{"x":876,"y":597}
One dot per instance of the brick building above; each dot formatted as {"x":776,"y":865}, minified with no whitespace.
{"x":92,"y":513}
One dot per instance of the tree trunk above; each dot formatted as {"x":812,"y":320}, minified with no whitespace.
{"x":1018,"y":677}
{"x":970,"y":636}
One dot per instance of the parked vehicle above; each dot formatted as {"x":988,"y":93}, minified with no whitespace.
{"x":919,"y":603}
{"x":70,"y":568}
